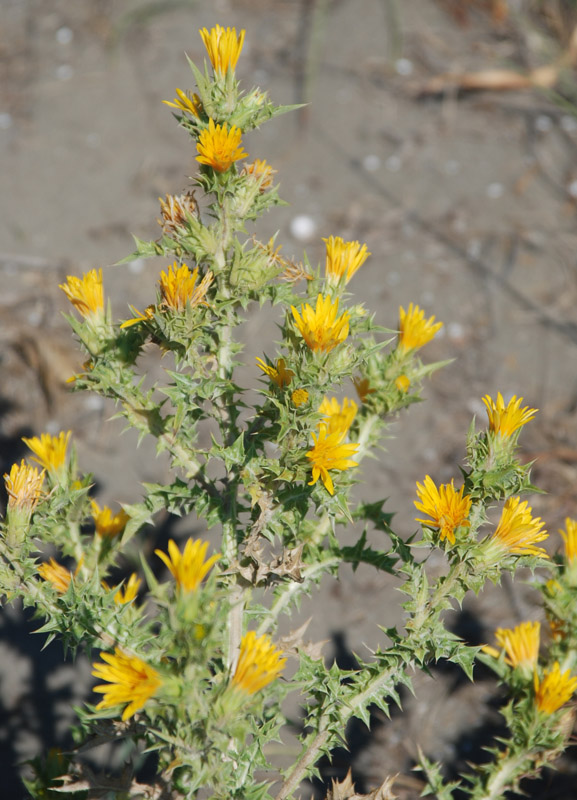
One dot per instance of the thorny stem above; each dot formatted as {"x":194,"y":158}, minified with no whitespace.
{"x":501,"y":779}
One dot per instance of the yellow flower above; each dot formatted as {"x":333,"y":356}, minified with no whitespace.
{"x":50,"y":451}
{"x":175,"y":210}
{"x":279,"y":375}
{"x":218,"y":147}
{"x":299,"y":397}
{"x":24,"y":486}
{"x":448,"y":508}
{"x":189,"y":567}
{"x":142,"y":317}
{"x":363,"y":388}
{"x":402,"y":383}
{"x":338,"y":419}
{"x":128,"y":592}
{"x":106,"y":523}
{"x":178,"y":287}
{"x":130,"y":680}
{"x":321,"y":328}
{"x":186,"y":102}
{"x":414,"y":330}
{"x":223,"y":47}
{"x":521,"y":645}
{"x":554,"y":690}
{"x":56,"y":574}
{"x":329,"y":452}
{"x":506,"y":419}
{"x":517,"y":531}
{"x":261,"y":172}
{"x":259,"y":663}
{"x":569,"y":537}
{"x":85,"y":293}
{"x":343,"y":258}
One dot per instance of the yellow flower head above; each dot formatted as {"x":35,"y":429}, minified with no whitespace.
{"x":521,"y":645}
{"x":85,"y":293}
{"x":569,"y":537}
{"x":24,"y":486}
{"x":142,"y":317}
{"x":554,"y":690}
{"x":448,"y":508}
{"x":414,"y":330}
{"x":50,"y":451}
{"x":259,"y":663}
{"x":363,"y":388}
{"x":517,"y":531}
{"x":299,"y":397}
{"x":56,"y":574}
{"x":261,"y":172}
{"x":130,"y":680}
{"x":219,"y":147}
{"x":320,"y":327}
{"x":178,"y":287}
{"x":175,"y":210}
{"x":184,"y":101}
{"x":106,"y":523}
{"x":128,"y":592}
{"x":189,"y":567}
{"x":279,"y":374}
{"x":506,"y":419}
{"x":343,"y":258}
{"x":223,"y":47}
{"x":329,"y":452}
{"x":338,"y":419}
{"x":403,"y":383}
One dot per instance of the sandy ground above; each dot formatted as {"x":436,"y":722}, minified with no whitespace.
{"x":467,"y":203}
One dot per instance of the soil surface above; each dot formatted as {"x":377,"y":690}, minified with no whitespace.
{"x":467,"y":202}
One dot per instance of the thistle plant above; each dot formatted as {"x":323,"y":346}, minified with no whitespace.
{"x":190,"y":664}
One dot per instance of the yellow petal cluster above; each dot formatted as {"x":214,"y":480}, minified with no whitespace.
{"x":128,"y":592}
{"x":106,"y":523}
{"x":299,"y":397}
{"x":175,"y":210}
{"x":86,"y":294}
{"x":414,"y":330}
{"x":259,"y":663}
{"x":569,"y":536}
{"x":521,"y":645}
{"x":56,"y":574}
{"x":223,"y":47}
{"x":338,"y":418}
{"x":188,"y":568}
{"x":218,"y":147}
{"x":506,"y":419}
{"x":554,"y":690}
{"x":130,"y":680}
{"x":178,"y":287}
{"x":24,"y":486}
{"x":447,"y":507}
{"x":279,"y":374}
{"x":50,"y":451}
{"x":329,"y":452}
{"x":184,"y":101}
{"x":343,"y":258}
{"x":320,"y":327}
{"x":517,"y":531}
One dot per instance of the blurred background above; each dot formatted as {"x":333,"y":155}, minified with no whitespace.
{"x":443,"y":133}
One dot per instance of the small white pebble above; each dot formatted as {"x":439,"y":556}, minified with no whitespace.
{"x":303,"y":227}
{"x":569,"y":123}
{"x":543,"y":123}
{"x":430,"y":454}
{"x":393,"y":163}
{"x":5,"y":120}
{"x":371,"y":163}
{"x":403,"y":66}
{"x":136,"y":266}
{"x":93,"y":402}
{"x":474,"y":248}
{"x":451,"y":167}
{"x":572,"y":188}
{"x":495,"y":191}
{"x":393,"y":278}
{"x":64,"y":35}
{"x":64,"y":72}
{"x":455,"y":331}
{"x":34,"y":318}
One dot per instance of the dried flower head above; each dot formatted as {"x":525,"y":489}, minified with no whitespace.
{"x":50,"y":451}
{"x":130,"y":680}
{"x":329,"y":452}
{"x":337,"y":418}
{"x":259,"y":663}
{"x":554,"y":690}
{"x":414,"y":330}
{"x":86,"y":294}
{"x":447,"y":508}
{"x":320,"y":327}
{"x":218,"y":147}
{"x":106,"y":523}
{"x":517,"y":531}
{"x":299,"y":397}
{"x":343,"y":258}
{"x":569,"y":536}
{"x":178,"y":287}
{"x":279,"y":374}
{"x":188,"y":568}
{"x":223,"y":47}
{"x":189,"y":103}
{"x":506,"y":419}
{"x":175,"y":211}
{"x":363,"y":388}
{"x":24,"y":487}
{"x":261,"y":171}
{"x":56,"y":574}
